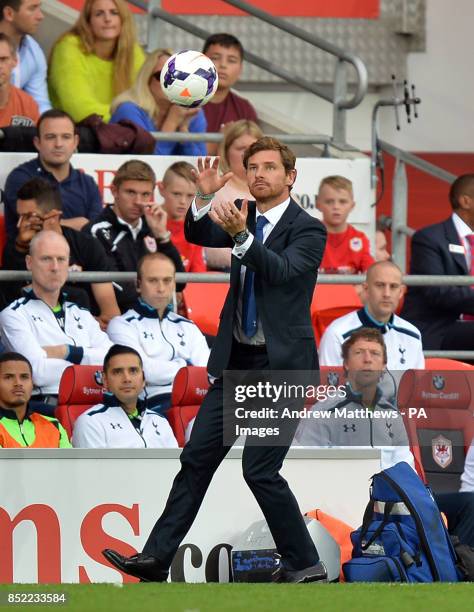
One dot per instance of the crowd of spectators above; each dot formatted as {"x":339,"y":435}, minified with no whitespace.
{"x":56,"y":222}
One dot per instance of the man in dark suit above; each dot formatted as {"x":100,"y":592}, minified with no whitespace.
{"x":444,"y":315}
{"x":265,"y":325}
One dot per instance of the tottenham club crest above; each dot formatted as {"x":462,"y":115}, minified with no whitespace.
{"x":442,"y":450}
{"x":438,"y":382}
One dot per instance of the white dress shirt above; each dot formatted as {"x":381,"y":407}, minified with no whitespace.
{"x":273,"y":216}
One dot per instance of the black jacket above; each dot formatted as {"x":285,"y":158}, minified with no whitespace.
{"x":437,"y":249}
{"x":86,"y":254}
{"x":124,"y":251}
{"x":286,"y":269}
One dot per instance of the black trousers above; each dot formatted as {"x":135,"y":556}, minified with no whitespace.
{"x":261,"y":466}
{"x":459,"y":510}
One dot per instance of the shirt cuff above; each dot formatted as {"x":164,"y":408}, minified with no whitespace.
{"x":239,"y":250}
{"x":75,"y":354}
{"x":199,"y":214}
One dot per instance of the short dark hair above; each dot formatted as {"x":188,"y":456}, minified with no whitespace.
{"x":14,"y":4}
{"x":225,"y":40}
{"x":463,"y":185}
{"x":364,"y":333}
{"x":120,"y":349}
{"x":54,"y":113}
{"x":152,"y":257}
{"x":267,"y":143}
{"x":12,"y":356}
{"x":47,"y":195}
{"x":134,"y":170}
{"x":6,"y":39}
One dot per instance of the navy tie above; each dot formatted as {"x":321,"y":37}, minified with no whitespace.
{"x":249,"y":305}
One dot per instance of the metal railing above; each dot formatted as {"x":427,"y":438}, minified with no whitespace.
{"x":338,"y":97}
{"x":399,"y":227}
{"x":323,"y":279}
{"x":418,"y":280}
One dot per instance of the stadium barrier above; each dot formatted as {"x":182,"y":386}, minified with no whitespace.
{"x":323,"y":279}
{"x":57,"y":516}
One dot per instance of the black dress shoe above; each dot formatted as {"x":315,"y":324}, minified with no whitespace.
{"x":148,"y":569}
{"x":313,"y":573}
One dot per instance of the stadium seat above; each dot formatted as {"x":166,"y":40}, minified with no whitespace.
{"x":440,"y":363}
{"x":79,"y":389}
{"x":189,"y":389}
{"x":204,"y":303}
{"x":331,"y":302}
{"x":440,"y":425}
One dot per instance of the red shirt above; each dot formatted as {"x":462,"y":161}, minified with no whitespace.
{"x":232,"y":108}
{"x":346,"y":253}
{"x":20,"y":109}
{"x":191,"y":254}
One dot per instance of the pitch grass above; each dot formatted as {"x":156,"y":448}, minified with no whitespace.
{"x":249,"y":597}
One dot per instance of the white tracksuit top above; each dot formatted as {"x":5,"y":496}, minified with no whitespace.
{"x":28,"y":324}
{"x":165,"y":345}
{"x":107,"y":425}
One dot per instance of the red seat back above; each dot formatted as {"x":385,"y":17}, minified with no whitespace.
{"x":204,"y":303}
{"x":331,"y":302}
{"x":438,"y":411}
{"x":79,"y":389}
{"x":189,"y":389}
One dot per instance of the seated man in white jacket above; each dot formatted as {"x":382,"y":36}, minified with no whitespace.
{"x":49,"y":331}
{"x":165,"y":341}
{"x":360,"y":415}
{"x":122,"y":420}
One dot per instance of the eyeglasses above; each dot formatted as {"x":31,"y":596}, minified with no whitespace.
{"x":156,"y":75}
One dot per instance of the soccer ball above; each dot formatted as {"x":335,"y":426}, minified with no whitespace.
{"x":189,"y":78}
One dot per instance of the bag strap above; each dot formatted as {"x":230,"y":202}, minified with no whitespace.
{"x":386,"y":517}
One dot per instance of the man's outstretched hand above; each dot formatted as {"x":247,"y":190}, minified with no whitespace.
{"x":208,"y":179}
{"x":229,"y":217}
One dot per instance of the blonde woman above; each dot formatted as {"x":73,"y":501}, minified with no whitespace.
{"x":95,"y":61}
{"x":238,"y":136}
{"x":146,"y":105}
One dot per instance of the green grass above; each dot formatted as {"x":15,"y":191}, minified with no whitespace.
{"x":249,"y":597}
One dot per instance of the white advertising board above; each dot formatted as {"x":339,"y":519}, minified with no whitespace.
{"x":310,"y":173}
{"x":60,"y":508}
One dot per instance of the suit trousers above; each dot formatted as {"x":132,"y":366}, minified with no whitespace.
{"x":261,"y":465}
{"x":459,"y":510}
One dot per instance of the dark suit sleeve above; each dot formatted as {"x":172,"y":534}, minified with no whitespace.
{"x":306,"y":242}
{"x":205,"y":232}
{"x":428,"y":257}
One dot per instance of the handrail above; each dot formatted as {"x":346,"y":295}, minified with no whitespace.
{"x":400,"y":229}
{"x":337,"y":97}
{"x":320,"y":139}
{"x":417,"y":162}
{"x":318,"y":42}
{"x":418,"y":280}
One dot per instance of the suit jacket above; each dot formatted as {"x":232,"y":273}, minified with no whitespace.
{"x":286,"y":269}
{"x":434,"y":309}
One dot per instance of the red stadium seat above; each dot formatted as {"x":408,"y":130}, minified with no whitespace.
{"x":204,"y":303}
{"x":189,"y":389}
{"x":440,"y":425}
{"x":331,"y":302}
{"x":79,"y":389}
{"x":440,"y":363}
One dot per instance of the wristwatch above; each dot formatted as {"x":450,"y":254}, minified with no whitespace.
{"x":241,"y":237}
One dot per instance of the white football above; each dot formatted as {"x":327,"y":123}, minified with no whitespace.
{"x":189,"y":78}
